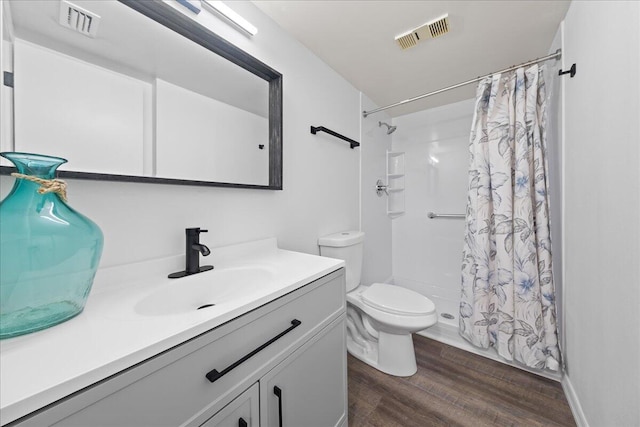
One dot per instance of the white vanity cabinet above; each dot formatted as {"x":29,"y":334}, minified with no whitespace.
{"x":226,"y":376}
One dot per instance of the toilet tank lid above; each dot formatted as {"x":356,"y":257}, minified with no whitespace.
{"x":342,"y":239}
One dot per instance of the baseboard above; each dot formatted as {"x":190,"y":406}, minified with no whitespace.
{"x":574,"y":403}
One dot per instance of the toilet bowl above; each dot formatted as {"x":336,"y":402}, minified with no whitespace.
{"x":380,"y":317}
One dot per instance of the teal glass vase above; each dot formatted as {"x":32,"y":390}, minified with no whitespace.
{"x":49,"y":253}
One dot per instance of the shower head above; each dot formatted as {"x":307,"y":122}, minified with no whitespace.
{"x":390,"y":129}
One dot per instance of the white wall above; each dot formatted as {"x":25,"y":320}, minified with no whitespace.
{"x":376,"y":265}
{"x":6,"y":93}
{"x":427,"y":253}
{"x":321,"y":173}
{"x":602,"y":210}
{"x":555,"y":158}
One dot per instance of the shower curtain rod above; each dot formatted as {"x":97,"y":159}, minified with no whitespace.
{"x":556,"y":55}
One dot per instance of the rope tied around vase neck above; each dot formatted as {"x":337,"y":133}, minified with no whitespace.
{"x":55,"y":185}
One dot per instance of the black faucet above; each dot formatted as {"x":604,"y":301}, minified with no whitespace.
{"x":193,"y":250}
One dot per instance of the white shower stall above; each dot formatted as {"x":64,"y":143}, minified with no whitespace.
{"x":426,"y":253}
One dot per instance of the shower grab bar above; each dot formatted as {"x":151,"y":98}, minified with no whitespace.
{"x":352,"y":143}
{"x":435,"y":215}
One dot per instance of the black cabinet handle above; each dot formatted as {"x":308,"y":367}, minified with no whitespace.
{"x":242,"y":423}
{"x":214,"y":375}
{"x":278,"y":392}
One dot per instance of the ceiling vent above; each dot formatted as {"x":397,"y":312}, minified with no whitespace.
{"x":78,"y":19}
{"x":430,"y":30}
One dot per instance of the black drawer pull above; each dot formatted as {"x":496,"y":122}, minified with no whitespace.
{"x":278,"y":392}
{"x":242,"y":423}
{"x":215,"y":375}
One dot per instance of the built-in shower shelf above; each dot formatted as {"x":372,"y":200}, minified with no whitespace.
{"x":395,"y":163}
{"x":395,"y":183}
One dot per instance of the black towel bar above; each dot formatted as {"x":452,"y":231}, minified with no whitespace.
{"x":352,"y":143}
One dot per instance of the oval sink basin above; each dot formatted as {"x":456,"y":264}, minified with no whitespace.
{"x":204,"y":291}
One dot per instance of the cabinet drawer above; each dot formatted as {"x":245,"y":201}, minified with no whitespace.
{"x":243,"y":411}
{"x":172,"y":389}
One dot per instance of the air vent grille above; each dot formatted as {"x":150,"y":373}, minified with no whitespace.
{"x":78,"y":19}
{"x":439,"y":27}
{"x":406,"y":41}
{"x":430,"y":30}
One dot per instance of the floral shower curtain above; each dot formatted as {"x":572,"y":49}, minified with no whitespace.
{"x":507,"y":283}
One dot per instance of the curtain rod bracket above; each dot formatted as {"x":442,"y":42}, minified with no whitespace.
{"x":571,"y":71}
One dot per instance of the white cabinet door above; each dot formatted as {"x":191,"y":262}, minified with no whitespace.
{"x":309,"y":388}
{"x":243,"y":411}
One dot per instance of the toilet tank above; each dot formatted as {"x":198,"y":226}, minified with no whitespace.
{"x":346,"y":246}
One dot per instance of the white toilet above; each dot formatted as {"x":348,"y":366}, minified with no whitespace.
{"x":380,"y":317}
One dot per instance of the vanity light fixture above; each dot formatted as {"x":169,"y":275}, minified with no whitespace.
{"x":189,"y":5}
{"x":225,"y":11}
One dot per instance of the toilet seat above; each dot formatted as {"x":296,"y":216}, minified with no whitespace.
{"x":397,"y":300}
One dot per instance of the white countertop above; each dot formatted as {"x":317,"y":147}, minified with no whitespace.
{"x":111,"y":335}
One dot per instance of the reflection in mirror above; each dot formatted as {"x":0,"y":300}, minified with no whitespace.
{"x":137,"y":99}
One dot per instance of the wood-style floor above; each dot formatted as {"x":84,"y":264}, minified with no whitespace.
{"x":453,"y":388}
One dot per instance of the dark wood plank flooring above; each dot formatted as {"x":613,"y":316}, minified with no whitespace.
{"x":454,"y":388}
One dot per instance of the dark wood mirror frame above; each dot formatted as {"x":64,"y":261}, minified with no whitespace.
{"x":183,"y":25}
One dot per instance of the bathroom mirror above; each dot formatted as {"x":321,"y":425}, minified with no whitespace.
{"x":143,"y":93}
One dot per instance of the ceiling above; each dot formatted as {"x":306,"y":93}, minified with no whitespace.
{"x":357,"y":39}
